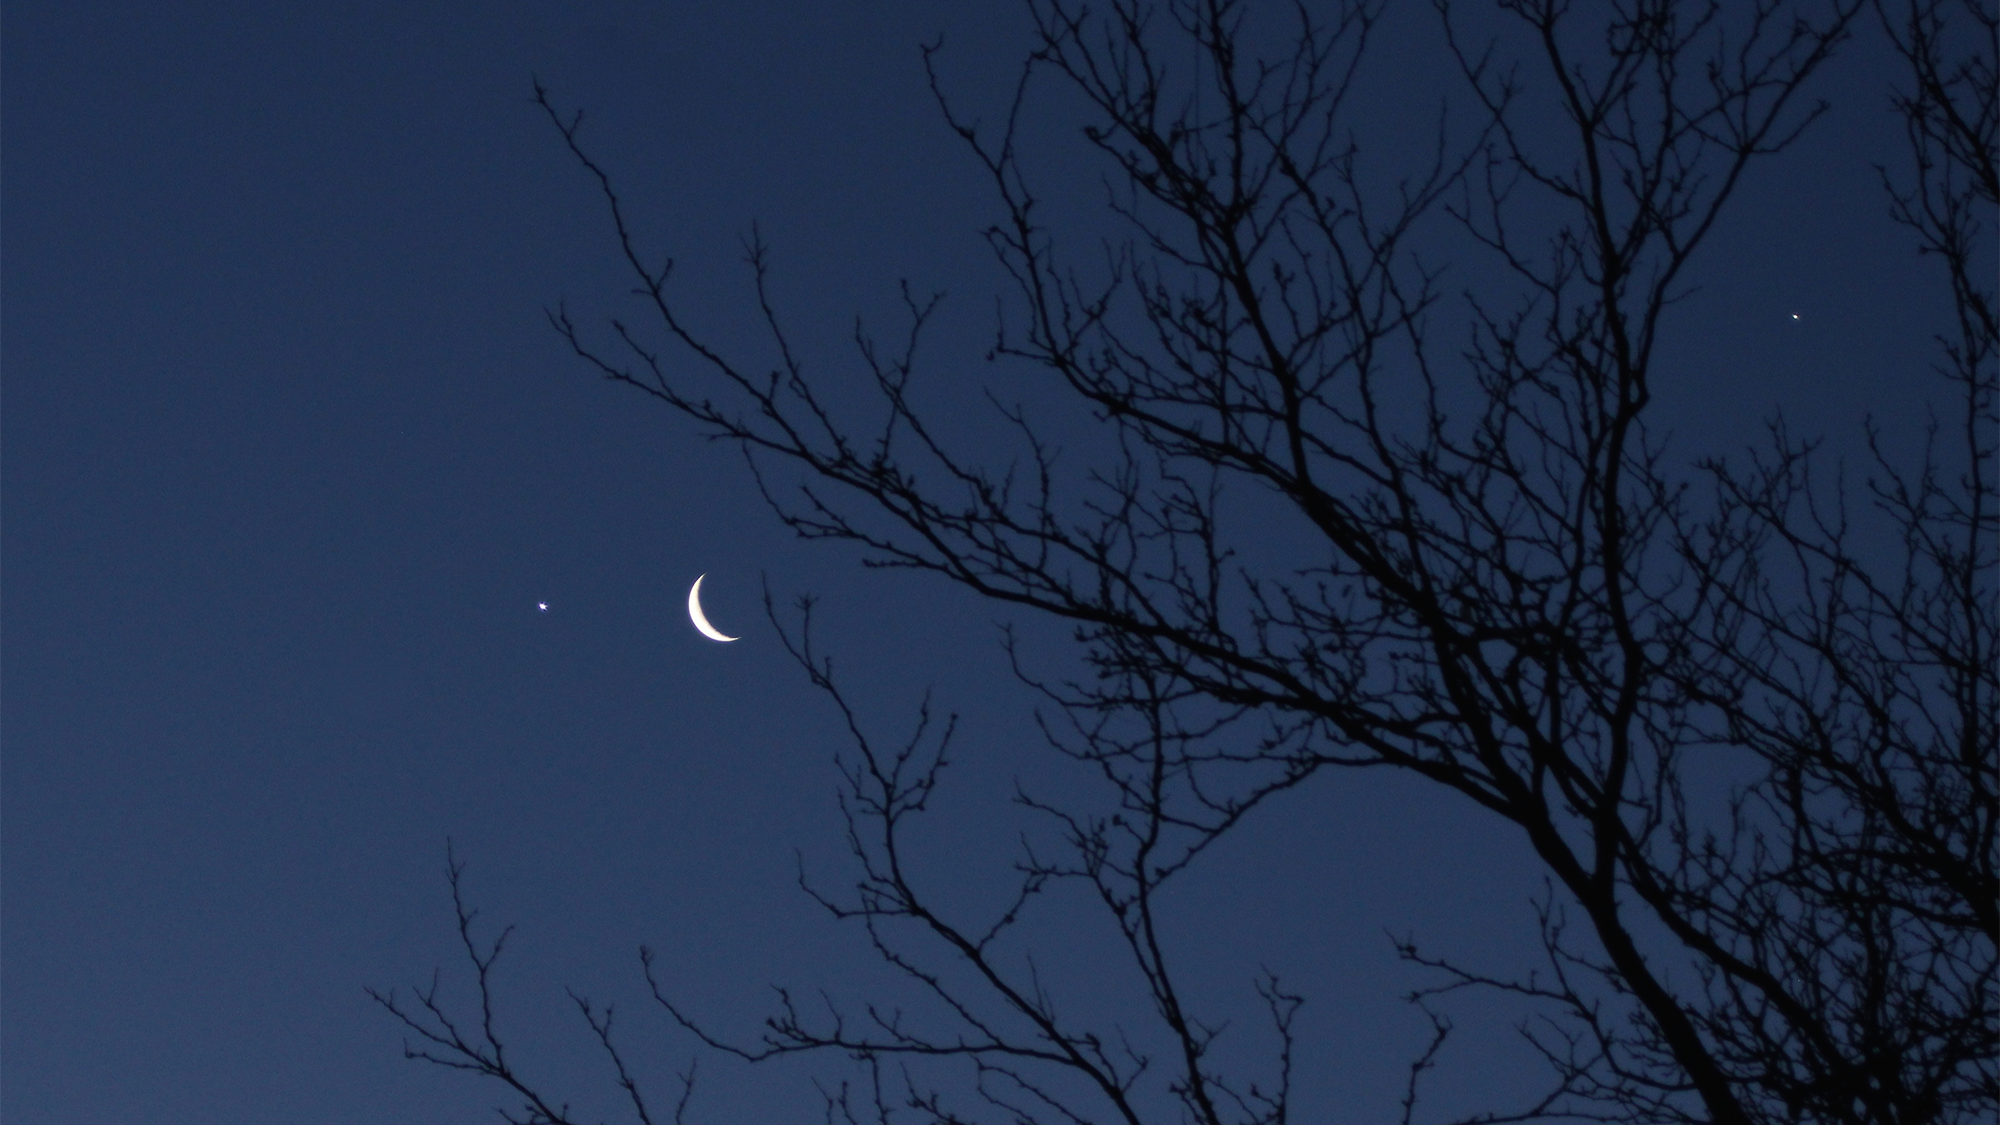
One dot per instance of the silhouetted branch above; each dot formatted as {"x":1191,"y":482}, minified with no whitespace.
{"x":446,"y":1041}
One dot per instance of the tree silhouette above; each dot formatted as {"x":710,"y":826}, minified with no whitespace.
{"x":1512,"y":589}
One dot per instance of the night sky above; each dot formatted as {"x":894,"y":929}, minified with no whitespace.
{"x":291,"y":455}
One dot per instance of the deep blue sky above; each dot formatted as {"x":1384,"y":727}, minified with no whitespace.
{"x":290,"y":455}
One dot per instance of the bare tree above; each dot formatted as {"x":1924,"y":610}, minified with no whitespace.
{"x":1848,"y":924}
{"x":1508,"y":585}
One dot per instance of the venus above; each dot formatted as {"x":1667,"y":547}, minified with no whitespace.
{"x":699,"y":618}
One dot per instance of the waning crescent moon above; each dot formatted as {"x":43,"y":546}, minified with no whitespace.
{"x":699,"y":618}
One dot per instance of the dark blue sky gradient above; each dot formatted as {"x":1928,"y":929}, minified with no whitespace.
{"x":290,"y":454}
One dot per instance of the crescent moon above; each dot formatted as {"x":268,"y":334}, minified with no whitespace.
{"x":699,"y":618}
